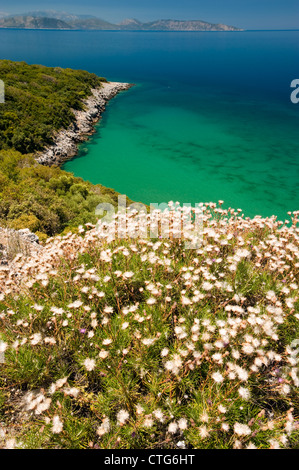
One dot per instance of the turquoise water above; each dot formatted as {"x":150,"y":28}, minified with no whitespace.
{"x":210,"y":116}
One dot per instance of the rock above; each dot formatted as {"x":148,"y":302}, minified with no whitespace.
{"x":13,"y":242}
{"x":65,"y":146}
{"x":31,"y":237}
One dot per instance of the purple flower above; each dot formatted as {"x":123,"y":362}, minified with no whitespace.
{"x":83,"y":330}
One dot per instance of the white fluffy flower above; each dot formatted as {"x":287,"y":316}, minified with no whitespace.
{"x":242,"y":429}
{"x":172,"y":428}
{"x":122,"y":416}
{"x":57,"y":425}
{"x":244,"y":393}
{"x":217,"y":377}
{"x":104,"y":428}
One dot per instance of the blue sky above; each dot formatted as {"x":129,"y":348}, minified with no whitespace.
{"x":248,"y":14}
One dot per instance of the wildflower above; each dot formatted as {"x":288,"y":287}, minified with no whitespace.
{"x":148,"y":341}
{"x":50,"y":340}
{"x":103,"y":354}
{"x":108,"y":309}
{"x":3,"y":346}
{"x":186,"y":301}
{"x":274,"y":444}
{"x":244,"y":393}
{"x":204,"y":432}
{"x":207,"y":286}
{"x":139,"y":409}
{"x":76,"y":304}
{"x":183,"y":424}
{"x":10,"y":443}
{"x":73,"y":391}
{"x":107,"y":341}
{"x":41,"y":407}
{"x":38,"y":308}
{"x":242,"y":429}
{"x":128,"y":274}
{"x":237,"y":444}
{"x":174,"y":365}
{"x":217,"y":358}
{"x":242,"y":374}
{"x":60,"y":382}
{"x":181,"y":445}
{"x":89,"y":364}
{"x":122,"y":416}
{"x":36,"y":338}
{"x":172,"y":428}
{"x":158,"y":414}
{"x":148,"y":422}
{"x":251,"y":445}
{"x":285,"y":389}
{"x":57,"y":425}
{"x":104,"y":428}
{"x":164,"y":352}
{"x":222,"y":409}
{"x":225,"y":426}
{"x":217,"y":377}
{"x":204,"y":418}
{"x":247,"y":348}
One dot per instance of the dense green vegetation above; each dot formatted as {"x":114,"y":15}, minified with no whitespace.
{"x":38,"y":101}
{"x":45,"y":199}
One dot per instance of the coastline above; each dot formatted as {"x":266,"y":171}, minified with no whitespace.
{"x":65,"y":145}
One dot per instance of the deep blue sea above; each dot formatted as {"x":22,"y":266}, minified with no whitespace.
{"x":210,"y":116}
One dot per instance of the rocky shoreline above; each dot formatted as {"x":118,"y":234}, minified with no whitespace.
{"x":66,"y":141}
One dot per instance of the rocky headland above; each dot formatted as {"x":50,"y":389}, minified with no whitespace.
{"x":66,"y":142}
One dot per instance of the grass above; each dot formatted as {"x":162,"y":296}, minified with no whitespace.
{"x":136,"y":343}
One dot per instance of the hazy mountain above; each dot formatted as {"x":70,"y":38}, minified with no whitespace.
{"x":51,"y":19}
{"x":93,"y":23}
{"x":182,"y":25}
{"x":59,"y":15}
{"x":131,"y":24}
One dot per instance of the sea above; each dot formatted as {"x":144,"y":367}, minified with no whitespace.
{"x":210,"y":116}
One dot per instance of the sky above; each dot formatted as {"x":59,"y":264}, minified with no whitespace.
{"x":247,"y":14}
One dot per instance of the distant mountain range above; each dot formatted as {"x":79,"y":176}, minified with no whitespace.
{"x":50,"y":19}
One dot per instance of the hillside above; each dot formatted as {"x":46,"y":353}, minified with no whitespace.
{"x":176,"y":25}
{"x":31,"y":22}
{"x":39,"y":102}
{"x":57,"y":20}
